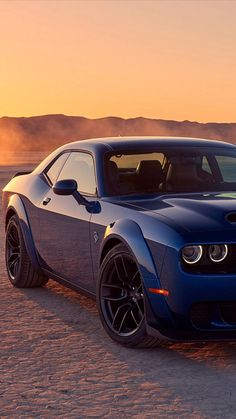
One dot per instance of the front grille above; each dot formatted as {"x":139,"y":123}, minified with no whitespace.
{"x":214,"y":315}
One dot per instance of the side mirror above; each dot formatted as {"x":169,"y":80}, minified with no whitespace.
{"x":69,"y":187}
{"x":65,"y":187}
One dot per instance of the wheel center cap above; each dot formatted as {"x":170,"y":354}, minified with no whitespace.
{"x":134,"y":294}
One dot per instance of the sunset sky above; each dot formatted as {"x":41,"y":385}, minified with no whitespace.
{"x":158,"y":59}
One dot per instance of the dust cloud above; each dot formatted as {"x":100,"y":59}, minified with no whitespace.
{"x":42,"y":134}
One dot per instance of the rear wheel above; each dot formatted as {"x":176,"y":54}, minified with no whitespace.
{"x":20,"y":270}
{"x":120,"y":299}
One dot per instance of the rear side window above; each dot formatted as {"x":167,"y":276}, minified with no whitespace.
{"x":205,"y":165}
{"x":56,"y":167}
{"x":80,"y":167}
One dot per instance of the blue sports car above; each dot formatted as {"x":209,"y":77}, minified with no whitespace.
{"x":147,"y":225}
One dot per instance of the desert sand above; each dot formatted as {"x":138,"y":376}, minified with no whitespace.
{"x":56,"y":360}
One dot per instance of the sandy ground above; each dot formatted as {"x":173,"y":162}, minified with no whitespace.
{"x":56,"y":360}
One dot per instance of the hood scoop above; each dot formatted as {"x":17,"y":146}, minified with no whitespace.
{"x":231,"y":217}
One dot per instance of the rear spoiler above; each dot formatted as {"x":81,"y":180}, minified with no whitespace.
{"x":20,"y":174}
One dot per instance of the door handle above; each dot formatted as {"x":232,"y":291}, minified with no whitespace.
{"x":46,"y":200}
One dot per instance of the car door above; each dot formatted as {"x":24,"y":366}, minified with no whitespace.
{"x":64,"y":225}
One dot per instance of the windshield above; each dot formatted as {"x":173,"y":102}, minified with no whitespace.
{"x":171,"y":170}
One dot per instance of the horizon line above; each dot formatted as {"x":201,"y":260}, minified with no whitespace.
{"x":117,"y":117}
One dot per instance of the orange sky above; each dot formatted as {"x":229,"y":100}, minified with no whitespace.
{"x":159,"y":59}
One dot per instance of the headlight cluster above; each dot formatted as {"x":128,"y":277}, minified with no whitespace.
{"x":216,"y":253}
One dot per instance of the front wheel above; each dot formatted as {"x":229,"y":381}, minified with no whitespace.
{"x":20,"y":270}
{"x":120,"y":299}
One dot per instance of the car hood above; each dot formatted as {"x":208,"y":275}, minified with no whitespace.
{"x":193,"y":212}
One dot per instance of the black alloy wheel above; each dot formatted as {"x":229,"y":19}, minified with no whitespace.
{"x":121,"y":301}
{"x":21,"y":272}
{"x":122,"y":296}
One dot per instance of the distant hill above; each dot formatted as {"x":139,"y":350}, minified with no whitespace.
{"x":46,"y":132}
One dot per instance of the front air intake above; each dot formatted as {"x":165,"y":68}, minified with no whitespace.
{"x":231,"y":218}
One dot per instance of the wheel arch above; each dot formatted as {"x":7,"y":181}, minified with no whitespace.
{"x":108,"y":245}
{"x":129,"y":233}
{"x":16,"y":207}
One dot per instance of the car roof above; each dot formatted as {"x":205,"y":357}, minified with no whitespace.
{"x":122,"y":143}
{"x":129,"y":144}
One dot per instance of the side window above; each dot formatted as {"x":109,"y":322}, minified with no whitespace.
{"x":54,"y":170}
{"x":80,"y":167}
{"x":205,"y":165}
{"x":227,"y":166}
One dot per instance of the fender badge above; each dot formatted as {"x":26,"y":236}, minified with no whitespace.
{"x":95,"y":236}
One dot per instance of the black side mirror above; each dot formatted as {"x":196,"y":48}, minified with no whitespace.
{"x":65,"y":187}
{"x":69,"y":187}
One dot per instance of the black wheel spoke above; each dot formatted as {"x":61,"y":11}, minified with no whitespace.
{"x":134,"y":277}
{"x":15,"y":266}
{"x":113,"y":292}
{"x":11,"y":240}
{"x":13,"y":251}
{"x":14,"y":254}
{"x":133,"y":317}
{"x":124,"y":318}
{"x":12,"y":244}
{"x":110,"y":298}
{"x":13,"y":237}
{"x":138,"y":307}
{"x":121,"y":269}
{"x":13,"y":260}
{"x":117,"y":313}
{"x":139,"y":288}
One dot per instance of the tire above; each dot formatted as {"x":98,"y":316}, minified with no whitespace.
{"x":20,"y":270}
{"x":120,"y":300}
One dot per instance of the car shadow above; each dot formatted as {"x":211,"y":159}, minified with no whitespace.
{"x":76,"y":309}
{"x":189,"y":371}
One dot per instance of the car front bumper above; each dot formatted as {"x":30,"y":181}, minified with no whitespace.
{"x":198,"y":307}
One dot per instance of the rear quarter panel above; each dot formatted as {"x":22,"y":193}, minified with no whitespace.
{"x":30,"y":189}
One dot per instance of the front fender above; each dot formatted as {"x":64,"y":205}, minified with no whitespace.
{"x":128,"y":232}
{"x":16,"y":205}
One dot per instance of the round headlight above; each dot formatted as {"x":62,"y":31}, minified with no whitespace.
{"x":192,"y":254}
{"x":218,"y":252}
